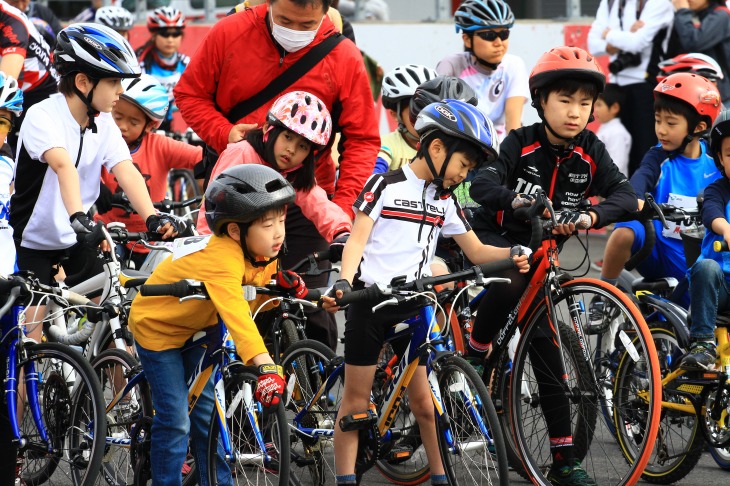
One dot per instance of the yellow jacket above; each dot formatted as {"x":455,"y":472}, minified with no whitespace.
{"x":161,"y":323}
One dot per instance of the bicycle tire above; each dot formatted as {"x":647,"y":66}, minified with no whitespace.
{"x":289,"y":335}
{"x":252,"y":464}
{"x":308,"y":362}
{"x":72,"y":409}
{"x":589,"y":435}
{"x":112,"y":367}
{"x":680,"y":442}
{"x":721,"y":457}
{"x":461,"y":388}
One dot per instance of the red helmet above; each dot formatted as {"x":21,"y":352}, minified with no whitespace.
{"x":693,"y":62}
{"x":693,"y":89}
{"x":166,"y":18}
{"x":565,"y":63}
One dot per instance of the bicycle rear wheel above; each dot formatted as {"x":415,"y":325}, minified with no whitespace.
{"x":578,"y":391}
{"x":72,"y":411}
{"x":259,"y":437}
{"x":469,"y":434}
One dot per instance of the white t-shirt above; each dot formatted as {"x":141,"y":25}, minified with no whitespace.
{"x":7,"y":247}
{"x":493,"y":88}
{"x":617,"y":140}
{"x":39,"y":217}
{"x":403,"y":239}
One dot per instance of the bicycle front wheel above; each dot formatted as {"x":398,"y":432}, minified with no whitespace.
{"x":469,"y":434}
{"x":556,"y":396}
{"x":259,"y":437}
{"x":71,"y":409}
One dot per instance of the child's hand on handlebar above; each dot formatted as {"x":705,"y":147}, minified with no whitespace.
{"x":162,"y":224}
{"x":521,"y":256}
{"x":339,"y":289}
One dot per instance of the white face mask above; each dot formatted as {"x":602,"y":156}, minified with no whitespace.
{"x":293,"y":40}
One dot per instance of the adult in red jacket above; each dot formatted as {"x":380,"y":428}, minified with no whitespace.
{"x":245,"y":51}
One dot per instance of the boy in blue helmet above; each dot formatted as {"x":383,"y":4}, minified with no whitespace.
{"x":455,"y":138}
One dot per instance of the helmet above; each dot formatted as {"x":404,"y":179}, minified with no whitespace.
{"x":166,"y":18}
{"x":244,"y":193}
{"x":302,"y":113}
{"x":438,"y":89}
{"x":693,"y":89}
{"x":460,"y":120}
{"x":720,"y":131}
{"x":11,"y":96}
{"x":473,"y":15}
{"x":402,"y":82}
{"x":693,"y":62}
{"x":95,"y":50}
{"x":565,"y":63}
{"x":117,"y":18}
{"x":147,"y":94}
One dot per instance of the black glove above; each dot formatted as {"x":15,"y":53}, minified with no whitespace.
{"x":522,"y":200}
{"x":104,"y":201}
{"x":337,"y":245}
{"x":579,"y":219}
{"x":81,"y":223}
{"x":342,"y":285}
{"x":157,"y":221}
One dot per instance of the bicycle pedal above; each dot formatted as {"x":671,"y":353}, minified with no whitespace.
{"x":358,"y":421}
{"x":398,"y":455}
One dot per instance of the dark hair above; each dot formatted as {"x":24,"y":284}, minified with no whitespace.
{"x":681,"y":108}
{"x":301,"y":179}
{"x":305,"y":3}
{"x":452,"y":144}
{"x":611,"y":95}
{"x":569,"y":87}
{"x":66,"y":83}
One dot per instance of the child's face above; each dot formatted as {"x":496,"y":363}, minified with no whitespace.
{"x":106,"y":94}
{"x":405,"y":115}
{"x":671,"y":129}
{"x":458,"y":168}
{"x":290,"y":150}
{"x":265,"y":236}
{"x":168,"y":41}
{"x":603,"y":112}
{"x":698,"y":5}
{"x":131,"y":120}
{"x":6,"y":123}
{"x":490,"y":51}
{"x":724,"y":156}
{"x":567,"y":114}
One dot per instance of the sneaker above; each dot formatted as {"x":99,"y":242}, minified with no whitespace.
{"x":600,"y":314}
{"x":570,"y":475}
{"x":597,"y":265}
{"x":701,"y":356}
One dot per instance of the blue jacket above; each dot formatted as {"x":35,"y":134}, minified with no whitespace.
{"x":716,"y":205}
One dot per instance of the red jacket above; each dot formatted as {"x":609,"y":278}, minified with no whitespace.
{"x":238,"y":58}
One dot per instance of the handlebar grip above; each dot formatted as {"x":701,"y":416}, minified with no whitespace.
{"x":178,"y":289}
{"x":498,"y":266}
{"x":719,"y":246}
{"x":371,"y":293}
{"x":527,"y":213}
{"x":322,"y":256}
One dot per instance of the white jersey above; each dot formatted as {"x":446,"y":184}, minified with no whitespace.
{"x":408,"y":221}
{"x":7,"y":247}
{"x":39,"y":216}
{"x":493,"y":88}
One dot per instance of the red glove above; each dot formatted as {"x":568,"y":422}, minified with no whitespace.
{"x":271,"y":385}
{"x":292,"y":283}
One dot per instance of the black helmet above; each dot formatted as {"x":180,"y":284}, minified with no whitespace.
{"x":720,"y":130}
{"x":474,"y":15}
{"x":244,"y":193}
{"x":95,"y":50}
{"x":439,"y":89}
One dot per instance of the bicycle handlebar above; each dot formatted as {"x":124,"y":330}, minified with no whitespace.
{"x":187,"y":288}
{"x":28,"y":286}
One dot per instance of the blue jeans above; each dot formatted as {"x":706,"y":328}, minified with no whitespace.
{"x":709,"y":294}
{"x":167,"y":373}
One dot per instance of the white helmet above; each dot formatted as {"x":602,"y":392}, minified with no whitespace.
{"x":401,"y":83}
{"x":117,"y":18}
{"x":147,"y":94}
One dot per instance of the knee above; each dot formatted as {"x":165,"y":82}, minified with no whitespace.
{"x":422,"y":408}
{"x":705,"y":270}
{"x":173,"y":421}
{"x":622,"y":238}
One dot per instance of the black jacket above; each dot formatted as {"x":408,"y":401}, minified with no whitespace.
{"x":526,"y":162}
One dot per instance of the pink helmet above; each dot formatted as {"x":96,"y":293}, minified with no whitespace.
{"x":302,"y":113}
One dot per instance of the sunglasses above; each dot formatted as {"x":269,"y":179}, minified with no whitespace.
{"x":491,"y":35}
{"x":170,"y":33}
{"x":5,"y":125}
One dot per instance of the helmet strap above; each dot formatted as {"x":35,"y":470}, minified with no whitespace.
{"x":402,"y":126}
{"x":91,"y":112}
{"x":438,"y":177}
{"x":486,"y":64}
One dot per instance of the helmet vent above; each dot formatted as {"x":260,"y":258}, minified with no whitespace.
{"x":275,"y":185}
{"x":294,"y":109}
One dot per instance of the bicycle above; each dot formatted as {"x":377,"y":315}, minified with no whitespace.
{"x":61,"y":402}
{"x":553,"y":315}
{"x":466,"y":422}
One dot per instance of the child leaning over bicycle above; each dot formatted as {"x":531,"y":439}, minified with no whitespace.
{"x":413,"y":204}
{"x":246,"y":211}
{"x":138,"y":112}
{"x":560,"y":156}
{"x":709,"y":277}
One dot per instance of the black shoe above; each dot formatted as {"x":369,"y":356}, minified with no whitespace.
{"x":701,"y":356}
{"x":570,"y":475}
{"x":601,"y":312}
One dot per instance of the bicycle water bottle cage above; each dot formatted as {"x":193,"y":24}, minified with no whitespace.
{"x":358,"y":421}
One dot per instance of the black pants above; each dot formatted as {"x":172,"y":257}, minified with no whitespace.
{"x":637,"y":115}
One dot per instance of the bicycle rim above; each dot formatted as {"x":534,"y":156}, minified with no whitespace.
{"x":72,"y":410}
{"x":594,"y":444}
{"x":476,"y":457}
{"x":245,"y":419}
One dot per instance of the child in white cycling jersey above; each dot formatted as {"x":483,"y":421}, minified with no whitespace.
{"x":11,"y":106}
{"x":499,"y":79}
{"x":138,"y":112}
{"x":399,"y":147}
{"x":413,"y":205}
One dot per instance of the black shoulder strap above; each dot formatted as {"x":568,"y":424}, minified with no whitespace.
{"x":285,"y":79}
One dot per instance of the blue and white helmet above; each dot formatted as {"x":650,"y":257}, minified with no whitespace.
{"x":461,"y":120}
{"x":118,"y":18}
{"x":11,"y":96}
{"x":95,"y":50}
{"x":474,"y":15}
{"x":147,"y":94}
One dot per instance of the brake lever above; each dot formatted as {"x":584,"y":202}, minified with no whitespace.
{"x":392,"y":301}
{"x":648,"y":198}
